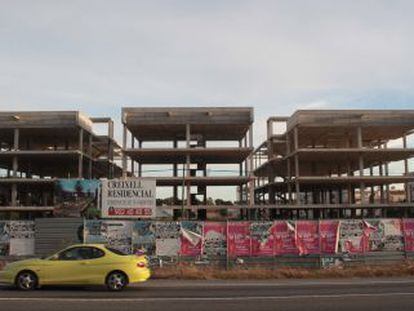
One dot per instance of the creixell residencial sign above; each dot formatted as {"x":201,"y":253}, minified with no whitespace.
{"x":128,"y":198}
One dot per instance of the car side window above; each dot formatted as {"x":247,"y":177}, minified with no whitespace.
{"x":70,"y":254}
{"x":81,"y":253}
{"x":95,"y":253}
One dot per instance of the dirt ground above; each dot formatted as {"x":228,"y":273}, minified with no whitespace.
{"x":206,"y":273}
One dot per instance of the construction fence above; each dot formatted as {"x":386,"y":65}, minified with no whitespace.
{"x":302,"y":243}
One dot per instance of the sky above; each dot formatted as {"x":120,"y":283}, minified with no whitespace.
{"x":276,"y":56}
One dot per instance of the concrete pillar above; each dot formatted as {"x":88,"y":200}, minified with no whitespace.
{"x":111,"y":149}
{"x":295,"y":138}
{"x":175,"y":174}
{"x":251,"y":136}
{"x":124,"y":147}
{"x":15,"y":167}
{"x":250,"y":171}
{"x":371,"y":173}
{"x":132,"y":160}
{"x":359,"y":137}
{"x":361,"y":164}
{"x":187,"y":165}
{"x":381,"y":172}
{"x":387,"y":187}
{"x":80,"y":159}
{"x":16,"y":139}
{"x":14,"y":194}
{"x":139,"y":163}
{"x":288,"y":169}
{"x":406,"y":172}
{"x":90,"y":156}
{"x":240,"y":196}
{"x":269,"y":141}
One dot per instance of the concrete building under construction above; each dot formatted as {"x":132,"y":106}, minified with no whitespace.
{"x":335,"y":163}
{"x":186,"y":142}
{"x":323,"y":164}
{"x":36,"y":148}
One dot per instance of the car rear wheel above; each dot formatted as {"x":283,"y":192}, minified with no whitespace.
{"x":116,"y":281}
{"x":26,"y":280}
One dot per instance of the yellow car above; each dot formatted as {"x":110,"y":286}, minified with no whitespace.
{"x":83,"y":264}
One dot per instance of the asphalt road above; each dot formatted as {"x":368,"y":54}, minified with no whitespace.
{"x":332,"y":295}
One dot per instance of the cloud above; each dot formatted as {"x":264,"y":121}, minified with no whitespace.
{"x":277,"y":56}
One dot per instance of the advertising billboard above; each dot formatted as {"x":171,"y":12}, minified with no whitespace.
{"x":128,"y":198}
{"x":75,"y":196}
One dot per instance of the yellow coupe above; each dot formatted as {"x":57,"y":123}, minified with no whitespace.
{"x":83,"y":264}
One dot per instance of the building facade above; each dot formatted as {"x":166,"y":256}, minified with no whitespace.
{"x":186,"y":142}
{"x":36,"y":148}
{"x":336,"y":163}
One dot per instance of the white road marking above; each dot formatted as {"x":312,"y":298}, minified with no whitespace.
{"x":179,"y":299}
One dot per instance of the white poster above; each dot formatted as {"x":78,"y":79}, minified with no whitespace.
{"x":118,"y":234}
{"x":21,"y":247}
{"x":128,"y":198}
{"x":167,"y":247}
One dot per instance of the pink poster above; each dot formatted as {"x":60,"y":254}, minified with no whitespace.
{"x":262,"y":236}
{"x":191,"y":238}
{"x":190,"y":249}
{"x":408,"y":227}
{"x":329,"y":236}
{"x":307,"y":237}
{"x":284,"y":238}
{"x":238,"y":238}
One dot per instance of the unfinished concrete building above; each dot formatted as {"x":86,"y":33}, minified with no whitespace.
{"x":335,"y":163}
{"x":186,"y":142}
{"x":38,"y":147}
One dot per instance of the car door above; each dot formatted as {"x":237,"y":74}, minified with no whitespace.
{"x":93,"y":266}
{"x":65,"y":268}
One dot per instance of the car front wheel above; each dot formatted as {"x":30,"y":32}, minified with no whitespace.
{"x":26,"y":280}
{"x":116,"y":281}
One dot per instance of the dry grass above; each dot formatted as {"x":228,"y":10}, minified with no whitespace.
{"x":211,"y":273}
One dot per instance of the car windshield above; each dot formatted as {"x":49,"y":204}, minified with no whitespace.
{"x":116,"y":251}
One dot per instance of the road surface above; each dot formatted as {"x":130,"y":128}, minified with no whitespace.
{"x":346,"y":294}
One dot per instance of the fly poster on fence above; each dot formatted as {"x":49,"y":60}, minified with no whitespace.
{"x":118,"y":234}
{"x":238,"y":238}
{"x":191,"y":238}
{"x":384,"y":235}
{"x":215,"y":239}
{"x":143,"y":237}
{"x":352,"y":233}
{"x":408,"y":225}
{"x":329,"y":236}
{"x":307,"y":237}
{"x":262,"y":236}
{"x":128,"y":198}
{"x":4,"y":238}
{"x":285,"y":238}
{"x":22,"y":235}
{"x":167,"y":238}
